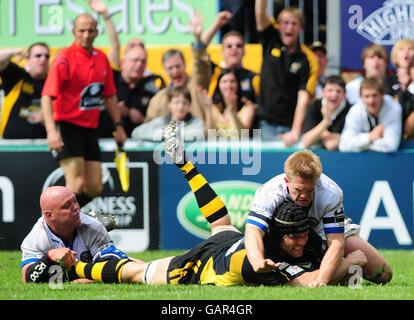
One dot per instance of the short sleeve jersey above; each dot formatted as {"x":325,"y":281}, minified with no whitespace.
{"x":78,"y":81}
{"x":221,"y":260}
{"x":22,"y":100}
{"x":326,"y":211}
{"x":282,"y":76}
{"x":91,"y":236}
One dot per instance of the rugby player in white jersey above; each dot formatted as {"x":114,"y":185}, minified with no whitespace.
{"x":305,"y":184}
{"x":221,"y":259}
{"x":63,"y":236}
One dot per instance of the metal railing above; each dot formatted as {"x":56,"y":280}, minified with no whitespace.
{"x":315,"y":17}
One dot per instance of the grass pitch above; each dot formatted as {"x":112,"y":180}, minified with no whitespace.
{"x":401,"y":286}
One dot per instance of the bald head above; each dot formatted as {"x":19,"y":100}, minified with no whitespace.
{"x":134,"y":64}
{"x":51,"y":197}
{"x":134,"y":42}
{"x":61,"y":210}
{"x":85,"y":30}
{"x":84,"y":17}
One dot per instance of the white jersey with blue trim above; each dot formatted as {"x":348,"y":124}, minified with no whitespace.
{"x":90,"y":235}
{"x":326,"y":211}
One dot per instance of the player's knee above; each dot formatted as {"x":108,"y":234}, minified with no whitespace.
{"x":387,"y":274}
{"x":76,"y":185}
{"x":381,"y":275}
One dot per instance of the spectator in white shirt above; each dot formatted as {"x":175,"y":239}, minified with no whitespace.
{"x":374,"y":58}
{"x":373,"y":123}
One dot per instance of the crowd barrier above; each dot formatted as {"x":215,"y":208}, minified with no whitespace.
{"x":159,"y":210}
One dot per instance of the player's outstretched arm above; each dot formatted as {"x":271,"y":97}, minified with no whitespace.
{"x":308,"y":279}
{"x":255,"y":250}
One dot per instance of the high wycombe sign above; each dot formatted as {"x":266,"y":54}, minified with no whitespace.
{"x":375,"y":21}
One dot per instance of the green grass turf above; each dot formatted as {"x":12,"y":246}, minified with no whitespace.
{"x":11,"y":287}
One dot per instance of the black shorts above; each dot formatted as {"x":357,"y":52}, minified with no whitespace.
{"x":186,"y":269}
{"x":78,"y":142}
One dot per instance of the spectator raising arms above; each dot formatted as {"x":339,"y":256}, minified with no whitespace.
{"x":174,"y":64}
{"x":21,"y":115}
{"x":134,"y":83}
{"x":232,"y":52}
{"x":289,"y":75}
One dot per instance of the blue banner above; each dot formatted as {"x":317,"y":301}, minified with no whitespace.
{"x":374,"y":21}
{"x":378,"y":194}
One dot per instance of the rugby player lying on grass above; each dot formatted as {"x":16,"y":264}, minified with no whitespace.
{"x":221,"y":259}
{"x":64,"y":235}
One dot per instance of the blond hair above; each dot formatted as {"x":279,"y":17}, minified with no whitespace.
{"x":296,"y":12}
{"x":304,"y":164}
{"x":397,"y":47}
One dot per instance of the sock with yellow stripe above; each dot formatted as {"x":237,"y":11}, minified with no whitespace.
{"x":109,"y":271}
{"x":210,"y":204}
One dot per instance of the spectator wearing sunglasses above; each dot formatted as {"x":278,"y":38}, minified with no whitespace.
{"x":21,"y":116}
{"x":232,"y":53}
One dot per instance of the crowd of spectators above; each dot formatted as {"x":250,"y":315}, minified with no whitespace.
{"x":291,"y":99}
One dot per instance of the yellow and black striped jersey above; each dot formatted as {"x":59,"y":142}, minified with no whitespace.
{"x":21,"y":102}
{"x":222,"y":260}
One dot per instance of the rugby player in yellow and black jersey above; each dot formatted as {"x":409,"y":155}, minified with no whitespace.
{"x":21,"y":117}
{"x":221,"y":259}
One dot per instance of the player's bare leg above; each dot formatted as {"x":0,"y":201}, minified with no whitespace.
{"x":74,"y":171}
{"x":377,"y":268}
{"x":83,"y":178}
{"x":93,"y":178}
{"x":153,"y":272}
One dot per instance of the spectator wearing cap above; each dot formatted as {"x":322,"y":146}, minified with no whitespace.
{"x":321,"y":54}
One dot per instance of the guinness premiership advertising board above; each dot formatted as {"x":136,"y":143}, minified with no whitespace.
{"x":25,"y":174}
